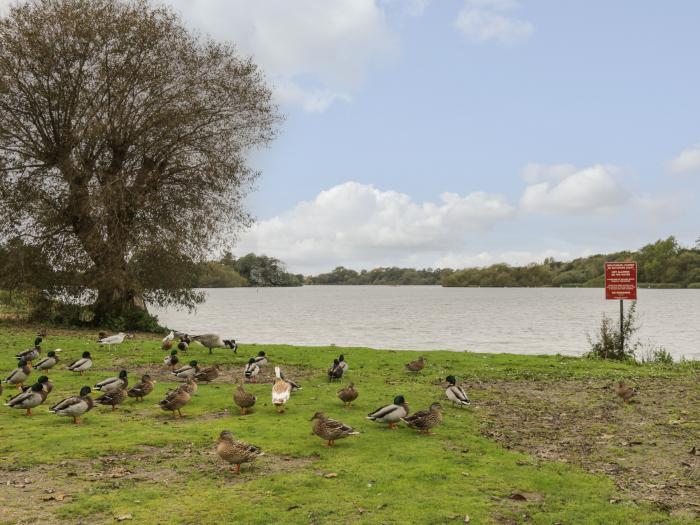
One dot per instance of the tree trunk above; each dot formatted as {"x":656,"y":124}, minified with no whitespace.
{"x":118,"y":294}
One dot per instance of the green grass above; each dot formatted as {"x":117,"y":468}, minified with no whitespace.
{"x":382,"y":476}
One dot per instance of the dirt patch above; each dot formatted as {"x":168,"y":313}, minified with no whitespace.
{"x":650,"y":448}
{"x":36,"y":494}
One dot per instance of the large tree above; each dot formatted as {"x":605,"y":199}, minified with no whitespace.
{"x":123,"y":144}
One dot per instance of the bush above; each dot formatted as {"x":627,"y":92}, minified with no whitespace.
{"x":608,"y":344}
{"x":655,"y":355}
{"x":694,"y":285}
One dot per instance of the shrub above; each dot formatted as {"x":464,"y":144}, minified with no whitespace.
{"x":656,"y":355}
{"x":608,"y":344}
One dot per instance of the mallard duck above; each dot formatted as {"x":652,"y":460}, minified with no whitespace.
{"x":19,"y":375}
{"x":281,"y":390}
{"x":82,"y":364}
{"x":215,"y":341}
{"x":28,"y":399}
{"x":115,"y":339}
{"x":251,"y":370}
{"x":113,"y":397}
{"x":142,"y":388}
{"x":416,"y":366}
{"x":335,"y":372}
{"x":189,"y":386}
{"x":625,"y":392}
{"x":243,"y":399}
{"x":187,"y":371}
{"x":207,"y":374}
{"x":261,"y":358}
{"x":390,"y":413}
{"x":49,"y":361}
{"x":348,"y":394}
{"x":424,"y":420}
{"x":343,"y":363}
{"x":31,"y":354}
{"x":46,"y":384}
{"x":175,"y":400}
{"x":171,"y":360}
{"x":167,"y":343}
{"x":456,"y":394}
{"x":235,"y":452}
{"x":184,"y":343}
{"x":74,"y":406}
{"x":330,"y":429}
{"x":112,"y":384}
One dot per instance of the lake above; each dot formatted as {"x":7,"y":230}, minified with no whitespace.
{"x":516,"y":320}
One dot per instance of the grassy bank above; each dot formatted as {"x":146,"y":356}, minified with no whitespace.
{"x":518,"y":455}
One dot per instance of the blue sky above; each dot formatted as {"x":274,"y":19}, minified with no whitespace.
{"x":467,"y":132}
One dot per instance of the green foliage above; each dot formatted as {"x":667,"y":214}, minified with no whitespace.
{"x":261,"y":270}
{"x":662,"y":264}
{"x":609,"y":345}
{"x":381,"y":276}
{"x":658,"y":355}
{"x":217,"y":275}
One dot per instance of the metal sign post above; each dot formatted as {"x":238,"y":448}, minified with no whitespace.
{"x":621,"y":283}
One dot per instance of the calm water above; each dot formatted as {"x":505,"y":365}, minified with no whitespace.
{"x":517,"y":320}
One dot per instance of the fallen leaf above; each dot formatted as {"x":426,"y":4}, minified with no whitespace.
{"x":331,"y":475}
{"x":467,"y":519}
{"x":293,"y":507}
{"x":517,"y":497}
{"x":124,"y":517}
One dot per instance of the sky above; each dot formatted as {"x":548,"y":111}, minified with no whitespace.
{"x":458,"y":133}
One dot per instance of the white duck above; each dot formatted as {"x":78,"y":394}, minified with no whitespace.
{"x":280,"y":391}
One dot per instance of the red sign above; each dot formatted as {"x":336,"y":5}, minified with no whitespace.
{"x":621,"y":280}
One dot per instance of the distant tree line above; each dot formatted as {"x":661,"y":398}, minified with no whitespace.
{"x":662,"y":264}
{"x":385,"y":276}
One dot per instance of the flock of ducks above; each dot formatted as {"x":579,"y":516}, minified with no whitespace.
{"x":115,"y":391}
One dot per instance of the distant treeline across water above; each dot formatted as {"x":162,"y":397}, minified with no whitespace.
{"x":662,"y":264}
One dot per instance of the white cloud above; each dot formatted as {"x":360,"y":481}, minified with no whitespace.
{"x":564,"y":190}
{"x":359,"y":225}
{"x":314,"y":52}
{"x":687,"y":161}
{"x":660,"y":207}
{"x":483,"y":21}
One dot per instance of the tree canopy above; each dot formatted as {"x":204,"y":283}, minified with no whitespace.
{"x":123,"y":146}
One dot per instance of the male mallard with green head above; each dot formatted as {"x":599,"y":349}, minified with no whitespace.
{"x":456,"y":393}
{"x":142,"y":388}
{"x":82,"y":364}
{"x":171,"y":360}
{"x":31,"y":354}
{"x":112,"y":384}
{"x":19,"y":375}
{"x":175,"y":400}
{"x":74,"y":406}
{"x":28,"y":399}
{"x":390,"y":413}
{"x":187,"y":371}
{"x":348,"y":394}
{"x":234,"y":451}
{"x":424,"y":420}
{"x":330,"y":429}
{"x":243,"y":399}
{"x":49,"y":361}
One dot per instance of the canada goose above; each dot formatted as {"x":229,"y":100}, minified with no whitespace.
{"x":215,"y":341}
